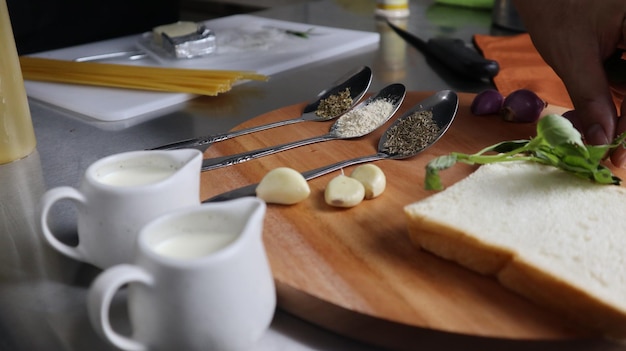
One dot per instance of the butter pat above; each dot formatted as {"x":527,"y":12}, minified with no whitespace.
{"x":174,"y":30}
{"x":184,"y":39}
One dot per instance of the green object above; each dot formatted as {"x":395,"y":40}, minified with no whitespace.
{"x":449,"y":18}
{"x":482,"y":4}
{"x":557,"y":144}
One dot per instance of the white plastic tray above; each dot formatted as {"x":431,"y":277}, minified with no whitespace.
{"x":240,"y":49}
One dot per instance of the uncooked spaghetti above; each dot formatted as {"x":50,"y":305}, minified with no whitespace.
{"x":192,"y":81}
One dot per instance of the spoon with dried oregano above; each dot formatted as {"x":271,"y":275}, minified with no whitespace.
{"x":328,"y":104}
{"x":363,"y":119}
{"x":410,"y":134}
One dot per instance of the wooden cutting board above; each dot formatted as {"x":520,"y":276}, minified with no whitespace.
{"x":354,"y":270}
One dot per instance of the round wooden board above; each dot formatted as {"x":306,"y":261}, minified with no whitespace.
{"x":354,"y":270}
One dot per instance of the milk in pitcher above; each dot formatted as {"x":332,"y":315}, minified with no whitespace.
{"x":138,"y":175}
{"x":192,"y":245}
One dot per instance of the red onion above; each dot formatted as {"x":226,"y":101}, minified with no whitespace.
{"x":487,"y":102}
{"x":522,"y":106}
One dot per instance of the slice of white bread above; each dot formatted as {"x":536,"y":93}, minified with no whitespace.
{"x":548,"y":235}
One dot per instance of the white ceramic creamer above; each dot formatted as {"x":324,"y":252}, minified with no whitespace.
{"x":200,"y":280}
{"x":118,"y":195}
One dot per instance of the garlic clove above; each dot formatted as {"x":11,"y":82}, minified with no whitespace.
{"x":283,"y":185}
{"x":373,"y":179}
{"x":344,"y":191}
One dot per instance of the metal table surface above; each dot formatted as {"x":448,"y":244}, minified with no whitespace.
{"x":42,"y":293}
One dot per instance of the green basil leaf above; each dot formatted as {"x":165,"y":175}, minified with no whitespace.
{"x":508,"y":146}
{"x":557,"y":130}
{"x":573,"y":162}
{"x":442,"y":162}
{"x":547,"y":157}
{"x":573,"y":150}
{"x":597,"y":152}
{"x":557,"y":144}
{"x":432,"y":180}
{"x":604,"y":175}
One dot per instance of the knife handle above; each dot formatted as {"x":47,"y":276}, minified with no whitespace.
{"x":462,"y":59}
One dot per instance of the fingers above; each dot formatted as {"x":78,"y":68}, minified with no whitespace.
{"x":595,"y":111}
{"x":575,"y":37}
{"x":594,"y":105}
{"x":576,"y":52}
{"x":618,"y":156}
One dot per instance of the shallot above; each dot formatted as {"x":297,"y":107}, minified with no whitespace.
{"x":487,"y":102}
{"x":522,"y":106}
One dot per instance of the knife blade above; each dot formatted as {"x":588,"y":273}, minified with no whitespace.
{"x":452,"y":53}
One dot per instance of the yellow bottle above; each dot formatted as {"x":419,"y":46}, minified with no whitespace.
{"x":17,"y":137}
{"x":392,"y":8}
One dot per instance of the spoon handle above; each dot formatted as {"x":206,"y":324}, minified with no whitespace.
{"x":218,"y":162}
{"x":209,"y":139}
{"x":314,"y":173}
{"x":250,"y":190}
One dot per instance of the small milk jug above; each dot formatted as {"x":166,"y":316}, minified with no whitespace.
{"x":200,"y":280}
{"x":118,"y":195}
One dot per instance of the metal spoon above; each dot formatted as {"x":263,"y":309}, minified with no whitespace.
{"x":130,"y":55}
{"x":443,"y":104}
{"x":393,"y":93}
{"x":357,"y":81}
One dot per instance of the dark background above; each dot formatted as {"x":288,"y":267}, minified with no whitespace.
{"x":40,"y":25}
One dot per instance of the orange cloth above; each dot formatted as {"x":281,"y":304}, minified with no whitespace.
{"x":521,"y":67}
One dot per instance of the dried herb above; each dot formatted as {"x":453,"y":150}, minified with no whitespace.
{"x":411,"y":134}
{"x":335,"y":104}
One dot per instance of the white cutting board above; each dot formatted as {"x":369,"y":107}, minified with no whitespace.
{"x":253,"y":44}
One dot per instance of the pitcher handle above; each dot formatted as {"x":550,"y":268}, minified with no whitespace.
{"x":49,"y":199}
{"x":99,"y":300}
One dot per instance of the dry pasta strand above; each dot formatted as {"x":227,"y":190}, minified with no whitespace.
{"x":193,"y":81}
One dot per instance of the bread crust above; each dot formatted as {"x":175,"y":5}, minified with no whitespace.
{"x":454,"y":245}
{"x":556,"y":294}
{"x":516,"y":275}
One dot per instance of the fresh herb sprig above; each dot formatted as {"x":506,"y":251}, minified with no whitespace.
{"x":300,"y":34}
{"x":557,"y":144}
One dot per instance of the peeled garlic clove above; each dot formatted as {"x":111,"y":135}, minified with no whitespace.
{"x":373,"y":179}
{"x":343,"y":191}
{"x":283,"y":185}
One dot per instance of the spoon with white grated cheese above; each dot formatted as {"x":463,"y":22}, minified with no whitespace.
{"x":362,"y":120}
{"x":355,"y":83}
{"x":413,"y":132}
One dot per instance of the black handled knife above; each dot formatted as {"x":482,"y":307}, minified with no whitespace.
{"x":454,"y":54}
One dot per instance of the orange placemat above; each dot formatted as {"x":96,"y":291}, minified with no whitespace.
{"x":521,"y":67}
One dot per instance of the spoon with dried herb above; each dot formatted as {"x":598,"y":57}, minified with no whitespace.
{"x":413,"y":132}
{"x":363,"y":119}
{"x":328,"y":104}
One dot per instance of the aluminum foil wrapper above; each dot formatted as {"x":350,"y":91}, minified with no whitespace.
{"x":200,"y":43}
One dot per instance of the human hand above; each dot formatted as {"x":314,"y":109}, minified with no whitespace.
{"x":575,"y":37}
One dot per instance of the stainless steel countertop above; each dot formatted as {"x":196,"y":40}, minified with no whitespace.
{"x":42,"y":293}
